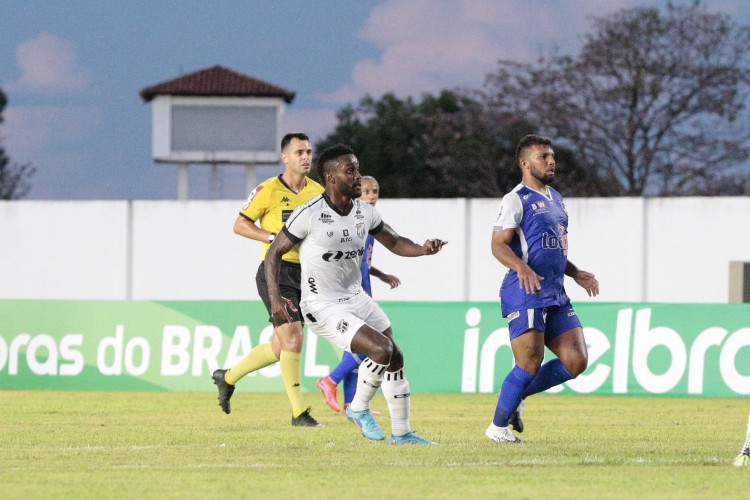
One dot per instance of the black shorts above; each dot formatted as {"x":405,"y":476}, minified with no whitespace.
{"x":289,"y":286}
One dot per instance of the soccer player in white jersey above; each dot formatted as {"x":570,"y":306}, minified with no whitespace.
{"x":743,"y":459}
{"x":530,"y":238}
{"x":331,"y":230}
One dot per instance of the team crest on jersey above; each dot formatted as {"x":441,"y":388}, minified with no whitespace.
{"x":361,"y":230}
{"x":343,"y":326}
{"x":325,"y":218}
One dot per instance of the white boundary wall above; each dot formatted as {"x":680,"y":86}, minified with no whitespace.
{"x":642,"y":250}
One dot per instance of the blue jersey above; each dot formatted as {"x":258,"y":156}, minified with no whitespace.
{"x":541,"y":240}
{"x":366,"y":264}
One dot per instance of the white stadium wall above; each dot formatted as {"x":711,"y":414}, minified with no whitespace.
{"x":642,"y":250}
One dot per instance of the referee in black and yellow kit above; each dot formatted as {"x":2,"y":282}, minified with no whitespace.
{"x":270,"y":204}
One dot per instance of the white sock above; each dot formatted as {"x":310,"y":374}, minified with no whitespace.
{"x":368,"y":380}
{"x":745,"y":447}
{"x":396,"y":392}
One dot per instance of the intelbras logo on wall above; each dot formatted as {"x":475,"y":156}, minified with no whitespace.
{"x":634,"y":358}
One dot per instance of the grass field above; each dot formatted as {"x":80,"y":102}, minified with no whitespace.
{"x":180,"y":445}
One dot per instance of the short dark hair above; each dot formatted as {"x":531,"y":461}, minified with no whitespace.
{"x":293,"y":135}
{"x":327,"y":160}
{"x":530,"y":140}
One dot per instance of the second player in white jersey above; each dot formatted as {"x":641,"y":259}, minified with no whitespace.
{"x":334,"y":244}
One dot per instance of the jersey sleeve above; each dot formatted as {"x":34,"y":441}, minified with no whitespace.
{"x":297,"y":225}
{"x":510,"y":214}
{"x":257,"y":203}
{"x":376,"y":224}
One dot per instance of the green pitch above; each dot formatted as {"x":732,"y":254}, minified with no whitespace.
{"x":180,"y":445}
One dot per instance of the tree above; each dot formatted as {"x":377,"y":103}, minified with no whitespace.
{"x":654,"y":104}
{"x":445,"y":146}
{"x":388,"y":137}
{"x":14,"y":178}
{"x":475,"y":150}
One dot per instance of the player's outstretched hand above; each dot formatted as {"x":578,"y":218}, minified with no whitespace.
{"x":432,"y":247}
{"x":588,"y":281}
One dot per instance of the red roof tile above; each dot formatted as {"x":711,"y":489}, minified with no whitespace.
{"x":217,"y":81}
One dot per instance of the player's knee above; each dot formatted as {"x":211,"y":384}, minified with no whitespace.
{"x":382,"y":352}
{"x":290,"y":338}
{"x":531,"y":366}
{"x":397,"y":359}
{"x":577,"y":364}
{"x":531,"y":359}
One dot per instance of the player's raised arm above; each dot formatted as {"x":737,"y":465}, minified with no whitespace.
{"x":405,"y":247}
{"x":281,"y":245}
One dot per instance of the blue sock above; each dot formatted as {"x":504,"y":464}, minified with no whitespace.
{"x":551,"y":373}
{"x":350,"y":385}
{"x":348,"y":363}
{"x":510,"y":395}
{"x":350,"y":379}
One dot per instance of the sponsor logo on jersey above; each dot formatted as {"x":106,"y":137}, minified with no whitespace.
{"x":554,"y":242}
{"x":252,"y":195}
{"x":359,"y":215}
{"x":285,"y":213}
{"x":360,"y":230}
{"x":325,"y":218}
{"x":337,"y":255}
{"x":346,"y":237}
{"x":329,"y":234}
{"x":313,"y":287}
{"x":285,"y":200}
{"x":343,"y":326}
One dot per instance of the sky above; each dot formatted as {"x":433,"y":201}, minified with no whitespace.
{"x":72,"y":70}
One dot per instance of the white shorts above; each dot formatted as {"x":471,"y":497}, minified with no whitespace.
{"x":337,"y":322}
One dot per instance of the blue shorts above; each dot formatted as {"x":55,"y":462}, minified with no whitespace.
{"x":552,"y":321}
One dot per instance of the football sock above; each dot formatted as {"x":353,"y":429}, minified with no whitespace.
{"x":746,"y":446}
{"x":348,"y":363}
{"x":290,"y":373}
{"x":350,"y":385}
{"x":396,"y":392}
{"x":551,"y":373}
{"x":510,"y":395}
{"x":350,"y":379}
{"x":258,"y":358}
{"x":369,"y":379}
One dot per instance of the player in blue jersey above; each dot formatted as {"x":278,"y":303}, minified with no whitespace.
{"x":530,"y":238}
{"x":346,"y":370}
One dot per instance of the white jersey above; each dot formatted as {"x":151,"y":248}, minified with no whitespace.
{"x":331,"y":246}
